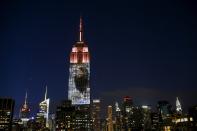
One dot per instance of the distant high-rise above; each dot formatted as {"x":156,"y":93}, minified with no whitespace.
{"x":79,"y":72}
{"x":96,"y":114}
{"x":127,"y":105}
{"x":73,"y":118}
{"x":193,"y":115}
{"x":127,"y":111}
{"x":109,"y":119}
{"x":165,"y":113}
{"x":118,"y":117}
{"x":65,"y":116}
{"x":6,"y":114}
{"x":154,"y":120}
{"x":43,"y":114}
{"x":146,"y":112}
{"x":25,"y":110}
{"x":164,"y":108}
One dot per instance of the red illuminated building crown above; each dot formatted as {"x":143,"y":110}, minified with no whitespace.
{"x":25,"y":107}
{"x":80,"y":53}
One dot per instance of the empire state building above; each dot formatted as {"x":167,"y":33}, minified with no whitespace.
{"x":79,"y":71}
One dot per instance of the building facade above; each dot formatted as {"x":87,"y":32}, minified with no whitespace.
{"x":69,"y":117}
{"x":109,"y":119}
{"x":65,"y":116}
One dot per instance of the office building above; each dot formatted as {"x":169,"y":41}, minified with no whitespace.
{"x":96,"y":114}
{"x":109,"y":118}
{"x":43,"y":114}
{"x":6,"y":113}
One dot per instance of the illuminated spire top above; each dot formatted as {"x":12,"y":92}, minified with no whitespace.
{"x":178,"y":106}
{"x":25,"y":99}
{"x":117,"y":106}
{"x":45,"y":93}
{"x":81,"y":30}
{"x":24,"y":110}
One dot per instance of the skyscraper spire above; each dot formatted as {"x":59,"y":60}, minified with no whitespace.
{"x":24,"y":110}
{"x":45,"y":93}
{"x":81,"y":30}
{"x":25,"y":99}
{"x":178,"y":106}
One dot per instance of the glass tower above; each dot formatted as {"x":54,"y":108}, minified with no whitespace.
{"x":43,"y":114}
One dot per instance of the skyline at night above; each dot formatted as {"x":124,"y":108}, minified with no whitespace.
{"x":141,"y":49}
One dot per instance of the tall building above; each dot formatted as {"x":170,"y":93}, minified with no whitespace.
{"x":146,"y":112}
{"x":109,"y":119}
{"x":43,"y":114}
{"x":127,"y":111}
{"x":118,"y":118}
{"x":83,"y":119}
{"x":25,"y":110}
{"x":79,"y":72}
{"x":24,"y":113}
{"x":6,"y":114}
{"x":127,"y":105}
{"x":78,"y":114}
{"x":96,"y":114}
{"x":165,"y":113}
{"x":154,"y":121}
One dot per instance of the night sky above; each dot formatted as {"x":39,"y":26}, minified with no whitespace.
{"x":141,"y":48}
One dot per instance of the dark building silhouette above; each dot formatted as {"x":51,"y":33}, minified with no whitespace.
{"x":193,"y":114}
{"x":6,"y":113}
{"x":154,"y":121}
{"x":164,"y":109}
{"x":65,"y":116}
{"x":69,"y":117}
{"x":127,"y":111}
{"x":164,"y":112}
{"x":136,"y":119}
{"x":146,"y":111}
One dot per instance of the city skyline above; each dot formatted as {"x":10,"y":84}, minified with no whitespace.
{"x":148,"y":61}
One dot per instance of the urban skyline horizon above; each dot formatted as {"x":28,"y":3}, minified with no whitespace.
{"x":139,"y":102}
{"x":136,"y":54}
